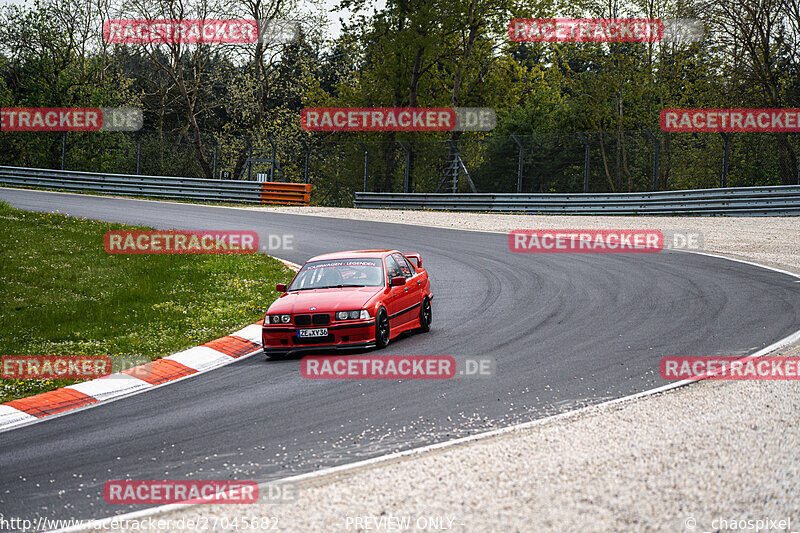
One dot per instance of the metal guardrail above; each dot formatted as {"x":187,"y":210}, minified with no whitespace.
{"x":159,"y":186}
{"x":778,"y":200}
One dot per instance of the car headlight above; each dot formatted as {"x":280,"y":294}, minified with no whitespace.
{"x":278,"y":319}
{"x":286,"y":318}
{"x":352,"y":315}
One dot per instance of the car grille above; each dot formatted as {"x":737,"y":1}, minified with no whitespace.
{"x":319,"y":319}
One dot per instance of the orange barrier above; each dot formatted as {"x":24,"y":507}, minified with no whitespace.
{"x":273,"y":192}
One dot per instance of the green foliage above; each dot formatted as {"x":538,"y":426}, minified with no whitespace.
{"x":64,"y":295}
{"x":247,"y":100}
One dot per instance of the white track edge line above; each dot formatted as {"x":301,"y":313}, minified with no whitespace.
{"x":325,"y":472}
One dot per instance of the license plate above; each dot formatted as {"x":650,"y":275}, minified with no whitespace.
{"x":319,"y":332}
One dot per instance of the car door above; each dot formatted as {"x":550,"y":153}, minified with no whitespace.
{"x":398,"y":299}
{"x":409,"y":293}
{"x":409,"y":271}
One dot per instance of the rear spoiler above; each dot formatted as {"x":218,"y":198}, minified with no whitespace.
{"x":416,"y":258}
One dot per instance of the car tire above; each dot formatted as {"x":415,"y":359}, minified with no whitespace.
{"x":382,"y":332}
{"x":425,"y":315}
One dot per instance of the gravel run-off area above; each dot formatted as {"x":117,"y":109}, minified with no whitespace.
{"x":691,"y":459}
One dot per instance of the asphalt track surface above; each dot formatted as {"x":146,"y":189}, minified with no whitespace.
{"x":566,"y":330}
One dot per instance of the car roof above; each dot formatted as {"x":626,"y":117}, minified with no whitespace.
{"x":354,"y":254}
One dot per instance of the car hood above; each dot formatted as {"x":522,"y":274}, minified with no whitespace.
{"x":324,"y":300}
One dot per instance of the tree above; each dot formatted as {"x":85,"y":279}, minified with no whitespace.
{"x":759,"y":40}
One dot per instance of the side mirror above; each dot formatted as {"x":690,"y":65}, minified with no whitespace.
{"x":399,"y":281}
{"x":280,"y":287}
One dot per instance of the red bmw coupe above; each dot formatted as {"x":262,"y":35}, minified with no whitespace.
{"x":346,"y":300}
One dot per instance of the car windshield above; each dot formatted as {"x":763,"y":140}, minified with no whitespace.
{"x":339,"y":273}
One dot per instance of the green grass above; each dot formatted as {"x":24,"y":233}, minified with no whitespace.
{"x":62,"y":294}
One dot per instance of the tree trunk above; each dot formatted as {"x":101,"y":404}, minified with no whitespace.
{"x":605,"y":164}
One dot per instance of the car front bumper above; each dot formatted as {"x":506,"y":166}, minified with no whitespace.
{"x":280,"y":339}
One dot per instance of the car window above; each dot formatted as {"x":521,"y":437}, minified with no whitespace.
{"x":366,"y":272}
{"x":393,"y":268}
{"x":405,"y":267}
